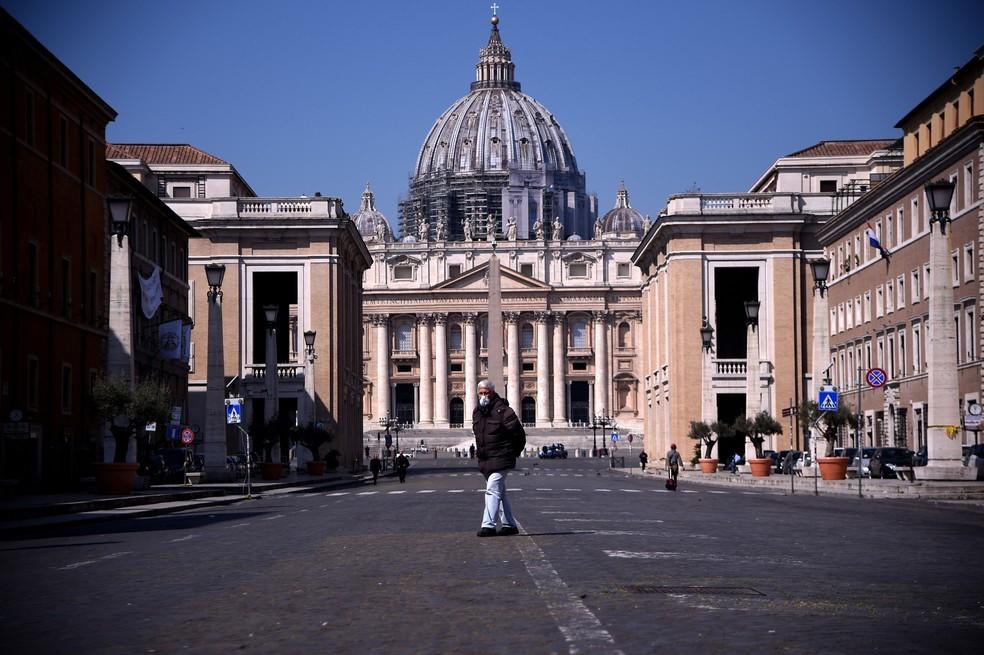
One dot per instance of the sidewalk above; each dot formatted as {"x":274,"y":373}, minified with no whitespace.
{"x":965,"y":492}
{"x":22,"y":515}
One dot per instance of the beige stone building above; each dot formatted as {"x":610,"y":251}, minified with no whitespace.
{"x":300,"y":255}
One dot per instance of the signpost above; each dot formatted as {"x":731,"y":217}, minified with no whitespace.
{"x":828,"y":398}
{"x":187,"y":436}
{"x":876,"y":377}
{"x":972,"y":419}
{"x":234,"y":411}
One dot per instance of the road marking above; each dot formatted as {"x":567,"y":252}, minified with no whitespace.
{"x":718,"y":492}
{"x":395,"y":492}
{"x":690,"y":491}
{"x":581,"y":629}
{"x":76,"y":565}
{"x":572,"y":490}
{"x":751,"y":493}
{"x":426,"y":491}
{"x":366,"y":493}
{"x":302,"y":510}
{"x":696,"y":557}
{"x":544,"y":489}
{"x":611,"y":520}
{"x":456,"y":491}
{"x":632,"y":491}
{"x":606,"y":490}
{"x":271,"y":518}
{"x":186,"y":538}
{"x":308,"y":495}
{"x":337,"y":493}
{"x":514,"y":488}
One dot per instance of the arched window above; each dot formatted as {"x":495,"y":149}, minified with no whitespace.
{"x":456,"y":337}
{"x":483,"y":332}
{"x":579,"y":333}
{"x":404,"y":337}
{"x":624,"y":336}
{"x":526,"y":337}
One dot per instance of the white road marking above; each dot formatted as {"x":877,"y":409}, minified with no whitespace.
{"x":544,"y":489}
{"x":718,"y":492}
{"x":337,"y":493}
{"x":514,"y":488}
{"x":366,"y":493}
{"x":185,"y":538}
{"x":611,"y":520}
{"x":696,"y":557}
{"x":581,"y":629}
{"x":243,"y":525}
{"x":271,"y":518}
{"x":690,"y":491}
{"x":632,"y":491}
{"x":426,"y":491}
{"x":395,"y":492}
{"x":606,"y":490}
{"x":572,"y":490}
{"x":76,"y":565}
{"x":456,"y":491}
{"x":302,"y":510}
{"x":308,"y":495}
{"x":751,"y":493}
{"x":578,"y":475}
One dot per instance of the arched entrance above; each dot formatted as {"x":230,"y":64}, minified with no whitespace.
{"x":579,"y":402}
{"x":457,"y":411}
{"x":528,"y":416}
{"x":404,"y":403}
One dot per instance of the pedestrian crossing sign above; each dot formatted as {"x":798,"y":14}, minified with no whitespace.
{"x":234,"y":411}
{"x":828,"y":399}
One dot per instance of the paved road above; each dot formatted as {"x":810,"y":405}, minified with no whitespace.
{"x":607,"y":564}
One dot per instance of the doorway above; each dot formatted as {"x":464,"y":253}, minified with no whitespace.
{"x":404,"y":403}
{"x":580,"y":407}
{"x":732,"y":287}
{"x":729,"y":407}
{"x":280,"y":289}
{"x":528,"y":411}
{"x":457,"y":417}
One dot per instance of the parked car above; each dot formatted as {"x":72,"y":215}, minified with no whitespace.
{"x":865,"y":461}
{"x":974,"y":456}
{"x":883,"y":461}
{"x":169,"y":465}
{"x":780,"y":460}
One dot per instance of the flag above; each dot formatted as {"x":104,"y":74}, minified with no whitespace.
{"x":151,"y":293}
{"x":874,"y":242}
{"x":170,"y":339}
{"x":186,"y":343}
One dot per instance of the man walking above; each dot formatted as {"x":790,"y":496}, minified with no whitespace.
{"x":500,"y":438}
{"x":673,"y":461}
{"x":643,"y":458}
{"x":402,"y":463}
{"x":374,"y":466}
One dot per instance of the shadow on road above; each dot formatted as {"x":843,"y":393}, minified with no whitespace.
{"x":144,"y":524}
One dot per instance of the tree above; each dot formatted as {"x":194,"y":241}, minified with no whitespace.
{"x":312,"y":436}
{"x":129,"y":410}
{"x":703,"y":433}
{"x":762,"y":426}
{"x":829,"y":423}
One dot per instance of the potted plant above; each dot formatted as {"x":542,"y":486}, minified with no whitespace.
{"x":704,"y":434}
{"x":312,"y":436}
{"x":830,"y":423}
{"x":127,"y":409}
{"x":762,"y":426}
{"x":266,"y":435}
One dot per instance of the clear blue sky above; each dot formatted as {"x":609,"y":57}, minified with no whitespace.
{"x":324,"y":96}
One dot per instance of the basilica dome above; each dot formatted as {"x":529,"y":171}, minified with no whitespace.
{"x":368,"y":219}
{"x":622,"y":219}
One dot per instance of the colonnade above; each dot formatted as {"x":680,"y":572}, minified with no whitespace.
{"x":551,"y":365}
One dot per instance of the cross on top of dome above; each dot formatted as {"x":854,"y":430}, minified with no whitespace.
{"x":495,"y":68}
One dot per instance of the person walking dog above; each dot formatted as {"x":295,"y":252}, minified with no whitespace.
{"x":500,"y":438}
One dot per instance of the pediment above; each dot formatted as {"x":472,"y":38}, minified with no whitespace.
{"x":476,"y":280}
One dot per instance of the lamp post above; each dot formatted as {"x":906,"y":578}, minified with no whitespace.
{"x":752,"y":401}
{"x":388,"y":422}
{"x":600,"y":420}
{"x":270,"y":369}
{"x":820,"y":269}
{"x":119,"y":350}
{"x":309,"y":337}
{"x":707,"y":410}
{"x":943,"y":449}
{"x":215,"y":421}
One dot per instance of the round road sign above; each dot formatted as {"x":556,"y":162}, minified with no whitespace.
{"x":187,"y":436}
{"x":974,"y":409}
{"x":876,"y":377}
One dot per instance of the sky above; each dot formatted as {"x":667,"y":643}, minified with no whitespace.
{"x":304,"y":97}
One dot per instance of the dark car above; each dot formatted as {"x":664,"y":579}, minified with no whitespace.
{"x":780,"y":461}
{"x":168,"y":465}
{"x":884,"y":460}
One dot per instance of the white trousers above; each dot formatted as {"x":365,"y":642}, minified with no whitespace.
{"x":496,"y":503}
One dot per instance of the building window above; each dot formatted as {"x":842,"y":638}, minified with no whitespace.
{"x":833,"y":320}
{"x":404,"y":338}
{"x":34,"y":283}
{"x":889,"y":297}
{"x":579,"y":334}
{"x":404,"y":368}
{"x":879,"y":302}
{"x":900,"y":222}
{"x":624,"y":335}
{"x":858,"y":310}
{"x":63,"y":141}
{"x":914,"y":218}
{"x":526,"y":336}
{"x":970,"y":343}
{"x":968,"y":262}
{"x":849,"y":315}
{"x":916,"y":348}
{"x":454,"y":270}
{"x":30,"y":119}
{"x":66,"y":388}
{"x":403,"y":272}
{"x":828,"y":186}
{"x":456,"y":367}
{"x":900,"y":292}
{"x":181,"y":192}
{"x":528,"y":367}
{"x":66,"y":299}
{"x":579,"y":366}
{"x":33,"y":381}
{"x":624,"y":270}
{"x":577,"y":269}
{"x":456,"y":337}
{"x":867,"y":306}
{"x":902,"y":362}
{"x":955,"y":267}
{"x":914,"y":290}
{"x":968,"y":184}
{"x":526,"y":269}
{"x":889,"y":231}
{"x":926,"y":281}
{"x":90,"y":172}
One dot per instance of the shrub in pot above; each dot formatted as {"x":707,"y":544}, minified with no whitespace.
{"x":704,"y":434}
{"x":830,"y":423}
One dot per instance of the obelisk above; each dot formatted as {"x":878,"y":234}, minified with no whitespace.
{"x":495,"y":324}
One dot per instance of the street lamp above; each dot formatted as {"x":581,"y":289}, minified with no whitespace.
{"x":820,"y":268}
{"x":752,"y":312}
{"x":119,"y":215}
{"x":938,"y":195}
{"x":309,"y":345}
{"x":388,"y":422}
{"x":599,"y":421}
{"x":706,"y":335}
{"x":214,"y":274}
{"x":270,"y":312}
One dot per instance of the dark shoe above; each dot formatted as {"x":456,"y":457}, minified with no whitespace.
{"x":486,"y":532}
{"x":508,"y":530}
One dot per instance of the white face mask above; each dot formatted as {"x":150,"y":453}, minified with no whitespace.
{"x":484,"y":401}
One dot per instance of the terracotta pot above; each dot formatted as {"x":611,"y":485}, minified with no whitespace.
{"x":271,"y":470}
{"x":116,"y":479}
{"x":708,"y":466}
{"x":761,"y":468}
{"x":316,"y":467}
{"x":833,"y":468}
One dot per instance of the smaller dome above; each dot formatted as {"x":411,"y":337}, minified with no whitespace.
{"x":368,"y":218}
{"x":622,"y":219}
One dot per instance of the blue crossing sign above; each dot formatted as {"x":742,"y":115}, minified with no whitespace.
{"x":614,"y":437}
{"x":827,"y":402}
{"x":234,"y":411}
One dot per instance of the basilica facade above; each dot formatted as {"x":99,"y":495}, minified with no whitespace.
{"x":497,"y":177}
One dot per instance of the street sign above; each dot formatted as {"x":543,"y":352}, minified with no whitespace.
{"x":173,"y":433}
{"x":972,"y":422}
{"x":614,"y":437}
{"x":234,"y":411}
{"x":876,"y":377}
{"x":151,"y":427}
{"x":787,"y":411}
{"x":187,"y":436}
{"x":389,"y":440}
{"x":176,"y":415}
{"x":828,"y":400}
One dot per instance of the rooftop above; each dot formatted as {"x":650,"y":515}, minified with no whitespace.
{"x":163,"y":153}
{"x":857,"y":148}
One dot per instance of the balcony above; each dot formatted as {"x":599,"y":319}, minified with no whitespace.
{"x":750,"y":203}
{"x":290,"y":378}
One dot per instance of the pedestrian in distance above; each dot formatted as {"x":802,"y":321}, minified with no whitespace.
{"x":471,"y":451}
{"x":367,"y":452}
{"x":500,"y":438}
{"x":374,"y":466}
{"x":643,"y":458}
{"x":402,"y":463}
{"x":673,"y":462}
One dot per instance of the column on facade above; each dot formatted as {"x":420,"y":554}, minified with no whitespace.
{"x":426,"y":415}
{"x":382,"y":365}
{"x":707,"y":408}
{"x":471,"y":365}
{"x":602,"y":404}
{"x":215,"y":419}
{"x":514,"y":385}
{"x":119,"y":348}
{"x":752,"y":398}
{"x":559,"y":373}
{"x":441,"y":370}
{"x":821,"y":357}
{"x":542,"y":370}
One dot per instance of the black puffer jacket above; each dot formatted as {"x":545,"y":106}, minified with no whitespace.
{"x":499,"y":436}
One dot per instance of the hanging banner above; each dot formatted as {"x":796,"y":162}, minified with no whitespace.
{"x":151,"y":293}
{"x":170,"y":339}
{"x":186,"y":343}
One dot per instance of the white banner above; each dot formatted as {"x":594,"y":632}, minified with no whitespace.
{"x":170,"y":339}
{"x":186,"y":343}
{"x":151,"y":293}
